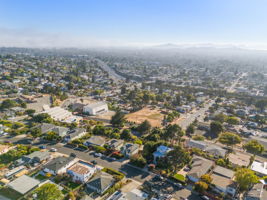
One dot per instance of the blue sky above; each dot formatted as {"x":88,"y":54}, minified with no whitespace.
{"x":126,"y":22}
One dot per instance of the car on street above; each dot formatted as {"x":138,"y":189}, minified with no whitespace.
{"x":94,"y":162}
{"x":97,"y":154}
{"x":53,"y":150}
{"x":42,"y":147}
{"x":204,"y":197}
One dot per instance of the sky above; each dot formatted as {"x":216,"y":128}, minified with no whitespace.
{"x":88,"y":23}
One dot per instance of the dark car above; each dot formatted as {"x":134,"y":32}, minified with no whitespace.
{"x":94,"y":162}
{"x":73,"y":155}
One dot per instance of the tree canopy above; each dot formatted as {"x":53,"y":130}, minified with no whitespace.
{"x":245,"y":178}
{"x":49,"y":191}
{"x":254,"y":147}
{"x":229,"y":138}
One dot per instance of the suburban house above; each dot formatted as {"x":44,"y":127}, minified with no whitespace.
{"x":60,"y":131}
{"x":35,"y":157}
{"x":81,"y":171}
{"x":196,"y":144}
{"x":100,"y":182}
{"x":259,"y":167}
{"x":216,"y":151}
{"x":257,"y":192}
{"x":129,"y":149}
{"x":161,"y":152}
{"x":200,"y":167}
{"x":95,"y":108}
{"x":95,"y":141}
{"x":239,"y":159}
{"x":134,"y":194}
{"x":114,"y":144}
{"x":212,"y":149}
{"x":59,"y":165}
{"x":75,"y":134}
{"x":23,"y":184}
{"x":222,"y":179}
{"x":45,"y":127}
{"x":4,"y":148}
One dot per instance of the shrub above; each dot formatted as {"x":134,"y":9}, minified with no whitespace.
{"x":138,"y":160}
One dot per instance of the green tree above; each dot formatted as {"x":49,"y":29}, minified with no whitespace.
{"x":190,"y":129}
{"x":232,"y":120}
{"x":144,"y":127}
{"x":138,"y":160}
{"x":118,"y":119}
{"x":261,"y":104}
{"x":229,"y":138}
{"x":126,"y":135}
{"x":48,"y":191}
{"x":245,"y":178}
{"x":216,"y":127}
{"x":254,"y":147}
{"x":173,"y":132}
{"x":30,"y":112}
{"x":8,"y":103}
{"x":206,"y":178}
{"x":201,"y":186}
{"x":178,"y":157}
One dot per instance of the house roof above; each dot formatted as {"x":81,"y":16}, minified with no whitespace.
{"x":197,"y":144}
{"x":239,"y":159}
{"x":214,"y":149}
{"x":222,"y":181}
{"x":136,"y":194}
{"x":129,"y":147}
{"x":114,"y":143}
{"x":95,"y":105}
{"x":101,"y":181}
{"x":80,"y":168}
{"x":58,"y":163}
{"x":97,"y":140}
{"x":255,"y":192}
{"x":42,"y":155}
{"x":259,"y":167}
{"x":45,"y":127}
{"x":76,"y":132}
{"x":200,"y":167}
{"x":224,"y":172}
{"x":24,"y":184}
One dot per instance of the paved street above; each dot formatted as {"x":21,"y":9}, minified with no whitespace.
{"x":186,"y":119}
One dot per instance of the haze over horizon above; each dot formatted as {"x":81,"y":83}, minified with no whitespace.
{"x":103,"y":23}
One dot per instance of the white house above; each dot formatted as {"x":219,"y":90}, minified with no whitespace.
{"x":259,"y":168}
{"x":59,"y":165}
{"x":81,"y":171}
{"x":161,"y":152}
{"x":95,"y":108}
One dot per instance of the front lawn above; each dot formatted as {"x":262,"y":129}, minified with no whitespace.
{"x":72,"y":185}
{"x":179,"y":177}
{"x":40,"y":177}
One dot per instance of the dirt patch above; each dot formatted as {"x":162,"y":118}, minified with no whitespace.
{"x":154,"y":116}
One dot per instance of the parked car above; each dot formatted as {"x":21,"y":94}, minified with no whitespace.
{"x":94,"y":162}
{"x":42,"y":147}
{"x":97,"y":154}
{"x":204,"y":197}
{"x":53,"y":150}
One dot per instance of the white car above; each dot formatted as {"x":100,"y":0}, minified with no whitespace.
{"x":53,"y":150}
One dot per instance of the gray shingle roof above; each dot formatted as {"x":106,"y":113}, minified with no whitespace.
{"x":58,"y":163}
{"x":101,"y":181}
{"x":23,"y":184}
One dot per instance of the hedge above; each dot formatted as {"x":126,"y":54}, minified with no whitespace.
{"x":179,"y":177}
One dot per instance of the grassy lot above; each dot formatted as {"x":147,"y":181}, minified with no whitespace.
{"x":40,"y":177}
{"x":72,"y":185}
{"x":154,"y":116}
{"x":9,"y":193}
{"x":179,"y":177}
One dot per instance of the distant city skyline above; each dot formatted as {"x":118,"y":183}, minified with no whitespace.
{"x":113,"y":23}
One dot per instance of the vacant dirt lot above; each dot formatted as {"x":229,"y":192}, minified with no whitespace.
{"x":154,"y":116}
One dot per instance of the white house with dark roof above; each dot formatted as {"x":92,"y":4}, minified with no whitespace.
{"x":129,"y":149}
{"x":59,"y":165}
